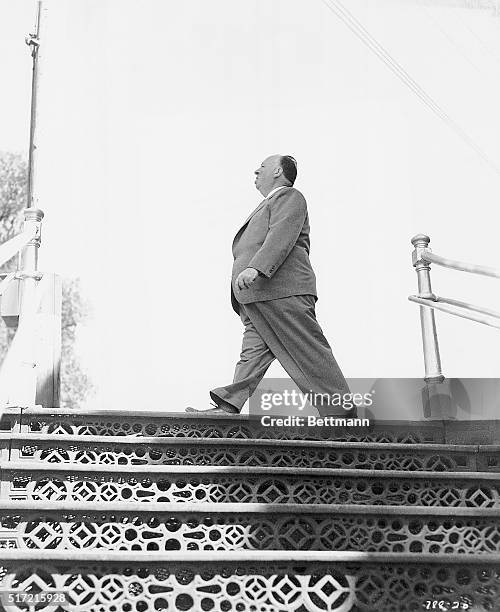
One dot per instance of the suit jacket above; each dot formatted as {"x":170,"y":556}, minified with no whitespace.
{"x":275,"y":241}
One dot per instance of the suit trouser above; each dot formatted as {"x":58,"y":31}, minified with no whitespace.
{"x":285,"y":329}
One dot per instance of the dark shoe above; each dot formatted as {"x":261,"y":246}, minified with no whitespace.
{"x":223,"y":408}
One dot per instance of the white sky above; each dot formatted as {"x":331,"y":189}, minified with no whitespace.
{"x":154,"y":115}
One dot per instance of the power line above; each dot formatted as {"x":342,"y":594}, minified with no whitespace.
{"x":478,"y":38}
{"x":369,"y":41}
{"x":448,"y":37}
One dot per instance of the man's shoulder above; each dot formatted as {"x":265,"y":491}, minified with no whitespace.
{"x":289,"y":193}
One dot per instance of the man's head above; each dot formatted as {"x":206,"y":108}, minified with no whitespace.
{"x":275,"y":171}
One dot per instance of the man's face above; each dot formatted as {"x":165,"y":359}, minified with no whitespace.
{"x":267,"y":173}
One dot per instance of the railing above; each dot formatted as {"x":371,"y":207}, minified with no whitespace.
{"x":422,"y":257}
{"x":18,"y":372}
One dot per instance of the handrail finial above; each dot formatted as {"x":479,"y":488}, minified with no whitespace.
{"x":420,"y":241}
{"x":32,"y":218}
{"x":33,"y":214}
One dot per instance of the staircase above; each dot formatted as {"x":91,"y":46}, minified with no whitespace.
{"x":118,"y":512}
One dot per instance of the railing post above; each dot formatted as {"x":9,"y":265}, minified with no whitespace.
{"x":29,"y":256}
{"x":28,"y":272}
{"x":432,"y":360}
{"x":25,"y":384}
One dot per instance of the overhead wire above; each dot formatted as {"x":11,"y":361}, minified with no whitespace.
{"x":448,"y":37}
{"x":479,"y":39}
{"x":369,"y":41}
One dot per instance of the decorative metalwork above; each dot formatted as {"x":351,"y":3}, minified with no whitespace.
{"x":488,"y":461}
{"x":246,"y":488}
{"x":195,"y":531}
{"x":137,"y":425}
{"x":251,"y":587}
{"x":251,"y":455}
{"x":88,"y":470}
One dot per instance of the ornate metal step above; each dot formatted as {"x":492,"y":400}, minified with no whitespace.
{"x":263,"y":581}
{"x":91,"y":526}
{"x":130,"y":450}
{"x":175,"y":424}
{"x":147,"y":512}
{"x":242,"y":484}
{"x":171,"y":424}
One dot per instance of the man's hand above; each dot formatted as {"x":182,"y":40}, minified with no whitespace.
{"x":246,"y":278}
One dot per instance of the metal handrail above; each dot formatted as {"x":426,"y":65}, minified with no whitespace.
{"x":439,"y":304}
{"x":471,"y":307}
{"x":428,"y":255}
{"x":422,"y":257}
{"x":16,"y":244}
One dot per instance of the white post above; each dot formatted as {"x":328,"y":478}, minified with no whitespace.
{"x":26,"y":335}
{"x":432,"y":361}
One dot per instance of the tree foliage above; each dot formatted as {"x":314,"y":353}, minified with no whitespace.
{"x":75,"y":384}
{"x":13,"y":197}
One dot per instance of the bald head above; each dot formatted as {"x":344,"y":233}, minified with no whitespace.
{"x":275,"y":171}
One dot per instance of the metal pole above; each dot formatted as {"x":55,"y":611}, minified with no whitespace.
{"x":33,"y":41}
{"x":28,"y":261}
{"x":432,"y":360}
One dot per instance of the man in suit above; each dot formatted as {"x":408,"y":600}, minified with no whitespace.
{"x":273,"y":290}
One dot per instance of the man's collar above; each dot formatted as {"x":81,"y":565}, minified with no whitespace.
{"x":273,"y":191}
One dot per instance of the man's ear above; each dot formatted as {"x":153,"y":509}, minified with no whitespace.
{"x":278,"y":171}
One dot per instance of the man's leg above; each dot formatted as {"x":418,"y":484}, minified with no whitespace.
{"x":288,"y":326}
{"x":255,"y":359}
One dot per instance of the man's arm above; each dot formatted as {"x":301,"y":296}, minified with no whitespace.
{"x":287,"y":215}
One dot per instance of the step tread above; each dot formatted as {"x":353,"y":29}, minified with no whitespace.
{"x":36,"y":466}
{"x":242,"y":508}
{"x":164,"y":414}
{"x":295,"y":556}
{"x":188,"y":441}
